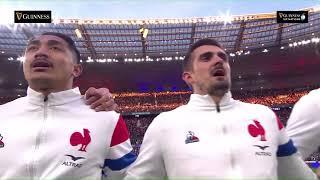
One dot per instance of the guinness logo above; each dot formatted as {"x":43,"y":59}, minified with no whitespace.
{"x":32,"y":16}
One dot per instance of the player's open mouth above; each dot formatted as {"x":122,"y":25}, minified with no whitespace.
{"x":40,"y":65}
{"x":218,"y":72}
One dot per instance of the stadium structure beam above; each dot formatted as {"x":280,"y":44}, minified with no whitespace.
{"x":26,"y":31}
{"x":143,"y":41}
{"x":88,"y":42}
{"x":240,"y":36}
{"x":193,"y":32}
{"x":279,"y":34}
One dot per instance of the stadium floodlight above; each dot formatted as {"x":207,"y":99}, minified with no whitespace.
{"x":315,"y":40}
{"x":145,"y":33}
{"x":226,"y":18}
{"x":21,"y":58}
{"x":78,"y":33}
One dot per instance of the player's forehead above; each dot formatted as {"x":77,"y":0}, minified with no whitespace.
{"x":47,"y":39}
{"x":207,"y":48}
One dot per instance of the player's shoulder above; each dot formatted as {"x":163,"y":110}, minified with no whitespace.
{"x":81,"y":108}
{"x":166,"y":119}
{"x":13,"y":105}
{"x":249,"y":107}
{"x":313,"y":95}
{"x":311,"y":99}
{"x":173,"y":113}
{"x":101,"y":118}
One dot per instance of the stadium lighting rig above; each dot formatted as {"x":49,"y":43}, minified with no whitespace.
{"x":314,"y":40}
{"x":227,"y":18}
{"x":78,"y":33}
{"x":224,"y":18}
{"x":144,"y":32}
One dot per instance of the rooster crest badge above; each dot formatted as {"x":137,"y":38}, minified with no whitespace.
{"x":257,"y":129}
{"x":81,"y":139}
{"x":1,"y":143}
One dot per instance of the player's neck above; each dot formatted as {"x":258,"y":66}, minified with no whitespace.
{"x":216,"y":99}
{"x":46,"y":89}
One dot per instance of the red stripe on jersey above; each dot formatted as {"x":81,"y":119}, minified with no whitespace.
{"x":120,"y":133}
{"x":280,"y":125}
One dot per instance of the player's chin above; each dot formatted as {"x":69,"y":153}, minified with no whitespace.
{"x":41,"y":76}
{"x":220,"y":78}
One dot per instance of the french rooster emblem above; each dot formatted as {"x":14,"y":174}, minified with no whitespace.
{"x":257,"y":129}
{"x":78,"y":139}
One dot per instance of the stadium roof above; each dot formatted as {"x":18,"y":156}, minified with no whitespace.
{"x":100,"y":39}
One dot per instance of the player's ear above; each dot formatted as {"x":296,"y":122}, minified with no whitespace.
{"x":77,"y":70}
{"x":187,"y":77}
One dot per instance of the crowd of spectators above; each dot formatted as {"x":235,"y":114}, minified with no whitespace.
{"x":164,"y":101}
{"x":137,"y":126}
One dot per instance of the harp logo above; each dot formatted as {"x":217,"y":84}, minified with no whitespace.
{"x":19,"y":15}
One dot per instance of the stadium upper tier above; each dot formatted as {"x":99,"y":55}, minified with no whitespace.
{"x":120,"y":39}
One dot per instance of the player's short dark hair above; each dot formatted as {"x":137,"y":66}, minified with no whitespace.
{"x":69,"y":41}
{"x":187,"y":62}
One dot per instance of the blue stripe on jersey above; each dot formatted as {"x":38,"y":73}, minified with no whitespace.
{"x":286,"y":149}
{"x":121,"y":163}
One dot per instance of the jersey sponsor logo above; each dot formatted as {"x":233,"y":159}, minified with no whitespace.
{"x":263,"y":153}
{"x":257,"y":129}
{"x":191,"y":138}
{"x":74,"y":158}
{"x":81,"y":139}
{"x":73,"y":163}
{"x":261,"y":147}
{"x":1,"y":142}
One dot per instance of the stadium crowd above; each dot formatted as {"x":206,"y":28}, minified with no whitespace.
{"x":164,"y":101}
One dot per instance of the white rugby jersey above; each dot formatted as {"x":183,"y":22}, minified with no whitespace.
{"x":202,"y":141}
{"x":303,"y":125}
{"x":59,"y":137}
